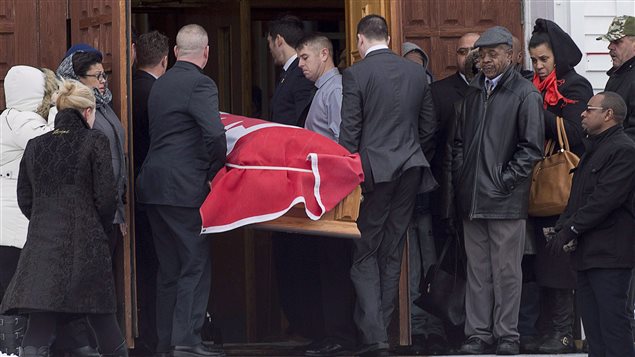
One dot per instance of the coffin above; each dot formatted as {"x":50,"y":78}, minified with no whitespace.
{"x":338,"y":222}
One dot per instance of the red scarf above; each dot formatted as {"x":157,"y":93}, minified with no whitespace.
{"x":550,"y":89}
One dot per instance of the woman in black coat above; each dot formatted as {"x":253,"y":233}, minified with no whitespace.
{"x":67,"y":191}
{"x":565,"y":93}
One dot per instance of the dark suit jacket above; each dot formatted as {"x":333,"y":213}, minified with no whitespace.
{"x":292,"y":97}
{"x":445,"y":94}
{"x":388,"y":117}
{"x":187,"y":139}
{"x":141,"y":84}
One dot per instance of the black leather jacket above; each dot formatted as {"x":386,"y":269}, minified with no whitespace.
{"x":497,"y":141}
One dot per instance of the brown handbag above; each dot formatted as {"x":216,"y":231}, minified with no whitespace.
{"x":552,"y":177}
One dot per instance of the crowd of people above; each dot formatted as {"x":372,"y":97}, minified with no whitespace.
{"x":444,"y":161}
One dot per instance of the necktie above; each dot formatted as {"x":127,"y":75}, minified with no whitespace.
{"x":283,"y":74}
{"x":489,"y":87}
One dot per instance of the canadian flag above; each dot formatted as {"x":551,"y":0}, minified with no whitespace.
{"x":271,"y":168}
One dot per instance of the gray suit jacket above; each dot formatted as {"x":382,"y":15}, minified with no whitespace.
{"x":388,"y":117}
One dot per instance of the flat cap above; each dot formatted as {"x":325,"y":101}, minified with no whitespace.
{"x":620,"y":27}
{"x":494,"y":36}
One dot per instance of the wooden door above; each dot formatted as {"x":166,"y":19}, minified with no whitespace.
{"x":31,"y":33}
{"x":104,"y":24}
{"x":355,"y":10}
{"x":436,"y":25}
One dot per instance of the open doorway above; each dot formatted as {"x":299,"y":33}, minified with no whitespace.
{"x":244,"y":303}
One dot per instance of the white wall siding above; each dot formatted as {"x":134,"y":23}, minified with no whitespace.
{"x":584,"y":20}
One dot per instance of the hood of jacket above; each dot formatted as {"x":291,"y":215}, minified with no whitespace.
{"x":408,"y":47}
{"x":24,"y":88}
{"x":566,"y":52}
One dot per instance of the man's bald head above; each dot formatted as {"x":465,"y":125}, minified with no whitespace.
{"x":463,"y":46}
{"x":192,"y":45}
{"x":191,"y":40}
{"x":517,"y":49}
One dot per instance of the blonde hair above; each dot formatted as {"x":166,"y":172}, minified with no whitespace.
{"x":75,"y":95}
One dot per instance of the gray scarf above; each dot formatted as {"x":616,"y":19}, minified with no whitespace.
{"x":65,"y":70}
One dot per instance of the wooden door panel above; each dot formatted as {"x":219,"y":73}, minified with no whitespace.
{"x":450,"y":19}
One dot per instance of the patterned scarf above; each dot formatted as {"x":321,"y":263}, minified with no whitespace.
{"x":65,"y":70}
{"x":550,"y":89}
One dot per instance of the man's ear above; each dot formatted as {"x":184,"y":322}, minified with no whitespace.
{"x":388,"y":42}
{"x":164,"y":61}
{"x":176,"y":51}
{"x":324,"y":54}
{"x":279,"y":40}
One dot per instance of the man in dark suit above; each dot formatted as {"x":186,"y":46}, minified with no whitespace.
{"x":295,"y":256}
{"x":152,"y":61}
{"x":388,"y":118}
{"x":187,"y":148}
{"x":293,"y":94}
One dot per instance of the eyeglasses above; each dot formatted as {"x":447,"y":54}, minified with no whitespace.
{"x":100,"y":76}
{"x":590,"y":108}
{"x":463,"y":51}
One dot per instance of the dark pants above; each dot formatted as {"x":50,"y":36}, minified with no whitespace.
{"x":383,"y":220}
{"x":43,"y":325}
{"x":184,"y":277}
{"x":9,"y":257}
{"x":338,"y":297}
{"x":147,"y":266}
{"x":601,"y":297}
{"x":299,"y":288}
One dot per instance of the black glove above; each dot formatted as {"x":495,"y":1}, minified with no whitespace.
{"x":563,"y":237}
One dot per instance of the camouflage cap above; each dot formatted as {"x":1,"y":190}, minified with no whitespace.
{"x":620,"y":27}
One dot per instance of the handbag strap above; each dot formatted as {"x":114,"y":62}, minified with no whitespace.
{"x":563,"y":140}
{"x":446,"y":246}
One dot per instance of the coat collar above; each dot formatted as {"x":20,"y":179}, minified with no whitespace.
{"x":70,"y":119}
{"x":187,"y":65}
{"x":379,"y":52}
{"x":625,"y":67}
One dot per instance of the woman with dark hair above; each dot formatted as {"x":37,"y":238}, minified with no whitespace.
{"x":566,"y":93}
{"x":85,"y":65}
{"x":66,"y":190}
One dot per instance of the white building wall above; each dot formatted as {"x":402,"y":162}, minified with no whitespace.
{"x":584,"y":20}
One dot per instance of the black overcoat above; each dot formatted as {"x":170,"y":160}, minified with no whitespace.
{"x":67,"y":191}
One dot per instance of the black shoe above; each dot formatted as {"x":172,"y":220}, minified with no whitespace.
{"x":30,"y":351}
{"x":418,"y":346}
{"x":556,"y":344}
{"x":121,"y":351}
{"x":530,"y":344}
{"x":84,"y":351}
{"x":326,"y":349}
{"x":508,"y":347}
{"x":199,"y":350}
{"x":475,"y":346}
{"x":436,"y":345}
{"x":373,"y":350}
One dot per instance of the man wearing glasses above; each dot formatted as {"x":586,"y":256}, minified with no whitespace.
{"x":598,"y":225}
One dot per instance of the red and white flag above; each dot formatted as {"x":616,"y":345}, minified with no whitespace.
{"x":272,"y":167}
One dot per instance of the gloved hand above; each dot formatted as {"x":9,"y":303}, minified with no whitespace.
{"x":563,"y":237}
